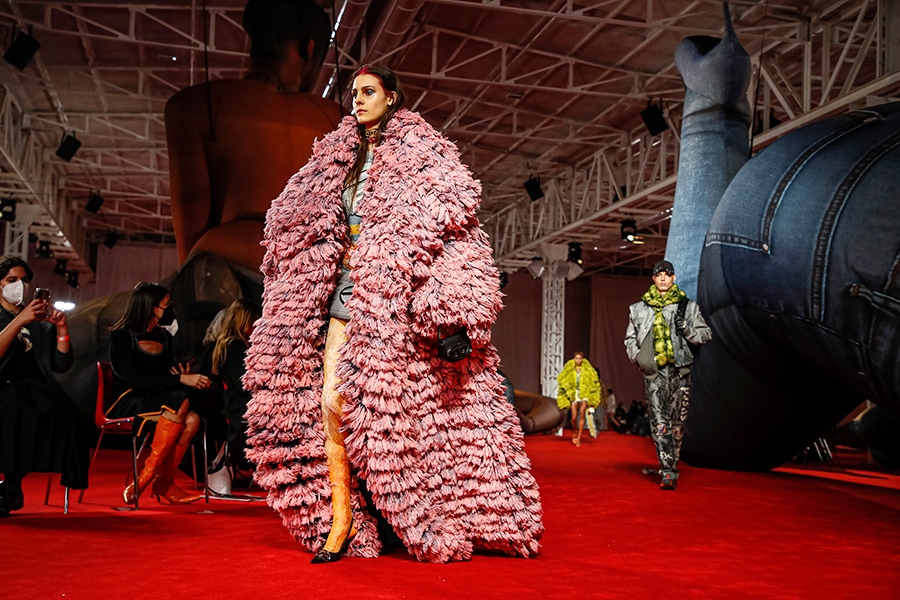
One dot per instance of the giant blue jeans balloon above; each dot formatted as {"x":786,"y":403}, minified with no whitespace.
{"x":800,"y":282}
{"x":714,"y":142}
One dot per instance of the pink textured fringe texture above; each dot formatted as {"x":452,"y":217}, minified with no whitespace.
{"x":440,"y":449}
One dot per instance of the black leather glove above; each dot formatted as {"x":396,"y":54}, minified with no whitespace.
{"x":680,"y":326}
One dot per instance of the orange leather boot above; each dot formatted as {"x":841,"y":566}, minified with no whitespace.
{"x":164,"y":486}
{"x":343,"y":529}
{"x":164,"y":441}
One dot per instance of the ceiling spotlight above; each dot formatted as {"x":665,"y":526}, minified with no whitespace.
{"x":8,"y":209}
{"x":536,"y":267}
{"x":68,"y":147}
{"x":43,"y":250}
{"x":533,"y":187}
{"x":573,"y":271}
{"x":72,"y":280}
{"x":94,"y":203}
{"x":654,"y":119}
{"x":575,"y":253}
{"x":21,"y":51}
{"x":628,"y":229}
{"x":62,"y":267}
{"x":111,"y":238}
{"x":559,"y":269}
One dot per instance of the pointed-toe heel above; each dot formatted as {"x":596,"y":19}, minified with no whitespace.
{"x":326,"y":556}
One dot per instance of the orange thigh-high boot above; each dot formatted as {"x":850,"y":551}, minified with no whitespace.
{"x":168,"y":432}
{"x":342,"y":528}
{"x":164,"y":485}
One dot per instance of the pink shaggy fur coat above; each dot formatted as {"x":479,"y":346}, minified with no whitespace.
{"x":439,"y":448}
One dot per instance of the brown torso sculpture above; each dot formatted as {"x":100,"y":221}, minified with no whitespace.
{"x":225,"y":170}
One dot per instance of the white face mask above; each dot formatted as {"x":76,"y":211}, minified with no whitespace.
{"x":14,"y":292}
{"x":171,"y":328}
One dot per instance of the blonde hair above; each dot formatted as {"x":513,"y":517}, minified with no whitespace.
{"x":238,"y":319}
{"x":214,"y":327}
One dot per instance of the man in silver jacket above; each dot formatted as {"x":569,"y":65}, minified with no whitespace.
{"x":664,"y":331}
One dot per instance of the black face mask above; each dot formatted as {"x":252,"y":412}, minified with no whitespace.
{"x":168,"y":317}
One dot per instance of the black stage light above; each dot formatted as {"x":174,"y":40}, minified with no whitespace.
{"x":72,"y":280}
{"x":43,"y":250}
{"x":94,"y":203}
{"x":7,"y":209}
{"x":504,"y":279}
{"x":68,"y":147}
{"x":533,"y":187}
{"x":111,"y":238}
{"x":575,"y":253}
{"x":628,"y":229}
{"x":21,"y":51}
{"x":654,"y":119}
{"x":62,"y":267}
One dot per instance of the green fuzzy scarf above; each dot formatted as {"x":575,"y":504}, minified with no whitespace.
{"x":662,"y":337}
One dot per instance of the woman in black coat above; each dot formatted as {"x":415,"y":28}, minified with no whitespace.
{"x":41,"y":429}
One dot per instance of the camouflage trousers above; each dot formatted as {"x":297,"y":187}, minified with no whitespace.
{"x":668,"y":395}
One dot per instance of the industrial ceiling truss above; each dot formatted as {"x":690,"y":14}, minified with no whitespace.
{"x":549,"y":89}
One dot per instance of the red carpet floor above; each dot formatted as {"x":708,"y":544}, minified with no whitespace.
{"x":611,"y":533}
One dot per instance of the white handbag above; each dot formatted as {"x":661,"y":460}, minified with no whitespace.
{"x":218,"y":476}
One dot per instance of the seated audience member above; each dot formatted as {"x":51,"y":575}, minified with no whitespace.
{"x":611,"y":406}
{"x":228,"y":364}
{"x":638,"y":420}
{"x":618,"y":421}
{"x":152,"y":385}
{"x":41,"y":430}
{"x":209,"y":403}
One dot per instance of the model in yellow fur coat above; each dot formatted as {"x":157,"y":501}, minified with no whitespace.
{"x":579,"y":387}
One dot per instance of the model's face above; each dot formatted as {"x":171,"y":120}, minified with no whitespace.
{"x":663,"y":282}
{"x":578,"y":359}
{"x":370,"y":101}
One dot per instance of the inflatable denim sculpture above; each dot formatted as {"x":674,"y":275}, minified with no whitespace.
{"x":800,"y":282}
{"x":794,"y":258}
{"x":714,"y":141}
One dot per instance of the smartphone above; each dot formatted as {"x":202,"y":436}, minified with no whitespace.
{"x":41,"y":293}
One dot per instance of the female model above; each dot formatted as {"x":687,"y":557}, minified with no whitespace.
{"x":374,"y":253}
{"x":579,"y":388}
